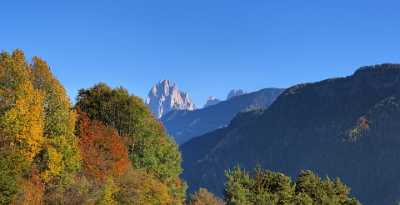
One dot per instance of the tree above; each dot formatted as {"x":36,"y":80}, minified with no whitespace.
{"x":103,"y":153}
{"x":36,"y":130}
{"x":148,"y":145}
{"x":323,"y":191}
{"x":31,"y":190}
{"x":59,"y":124}
{"x":238,"y":187}
{"x":264,"y":187}
{"x":108,"y":193}
{"x":204,"y":197}
{"x":137,"y":187}
{"x":22,"y":115}
{"x":21,"y":123}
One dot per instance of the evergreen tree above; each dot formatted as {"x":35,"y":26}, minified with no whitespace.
{"x":264,"y":187}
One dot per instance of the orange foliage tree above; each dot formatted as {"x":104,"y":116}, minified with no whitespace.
{"x":31,"y":190}
{"x":102,"y":149}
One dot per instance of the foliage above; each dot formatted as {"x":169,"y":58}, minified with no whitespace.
{"x":59,"y":120}
{"x":269,"y":188}
{"x":137,"y":187}
{"x":31,"y":190}
{"x":108,"y":192}
{"x":103,"y":152}
{"x":37,"y":141}
{"x":148,"y":145}
{"x":119,"y":153}
{"x":8,"y":182}
{"x":21,"y":123}
{"x":204,"y":197}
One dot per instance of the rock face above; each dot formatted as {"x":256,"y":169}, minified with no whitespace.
{"x":234,"y":93}
{"x":344,"y":127}
{"x":165,"y":96}
{"x":184,"y":125}
{"x":211,"y":101}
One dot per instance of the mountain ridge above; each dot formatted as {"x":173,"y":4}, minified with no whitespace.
{"x":184,"y":125}
{"x":336,"y":127}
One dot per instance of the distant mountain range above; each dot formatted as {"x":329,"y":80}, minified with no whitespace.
{"x":165,"y":96}
{"x":346,"y":127}
{"x":185,"y":124}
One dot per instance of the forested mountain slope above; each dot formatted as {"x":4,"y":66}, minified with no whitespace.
{"x":347,"y":127}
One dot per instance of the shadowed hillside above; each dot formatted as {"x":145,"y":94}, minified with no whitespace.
{"x":346,"y":127}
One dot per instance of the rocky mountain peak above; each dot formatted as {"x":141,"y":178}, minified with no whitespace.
{"x":166,"y":96}
{"x":234,"y":93}
{"x":211,"y":101}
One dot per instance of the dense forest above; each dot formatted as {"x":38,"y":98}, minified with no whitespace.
{"x":109,"y":149}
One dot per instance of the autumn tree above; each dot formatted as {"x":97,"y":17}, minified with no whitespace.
{"x":22,"y":114}
{"x":61,"y":150}
{"x":31,"y":190}
{"x":148,"y":145}
{"x":204,"y":197}
{"x":36,"y":130}
{"x":103,"y":152}
{"x":21,"y":122}
{"x":138,"y":187}
{"x":107,"y":196}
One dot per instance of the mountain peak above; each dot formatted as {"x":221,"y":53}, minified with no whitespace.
{"x":166,"y":96}
{"x":235,"y":92}
{"x":211,"y":101}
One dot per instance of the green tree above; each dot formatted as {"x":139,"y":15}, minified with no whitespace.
{"x":238,"y":187}
{"x":323,"y":191}
{"x":263,"y":187}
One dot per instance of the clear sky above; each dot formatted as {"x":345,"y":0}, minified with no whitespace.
{"x":206,"y":46}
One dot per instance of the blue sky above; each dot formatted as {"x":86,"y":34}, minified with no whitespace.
{"x":206,"y":46}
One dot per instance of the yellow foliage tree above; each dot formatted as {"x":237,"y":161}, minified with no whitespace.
{"x":62,"y":147}
{"x":138,"y":187}
{"x":108,"y":193}
{"x":36,"y":124}
{"x":21,"y":122}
